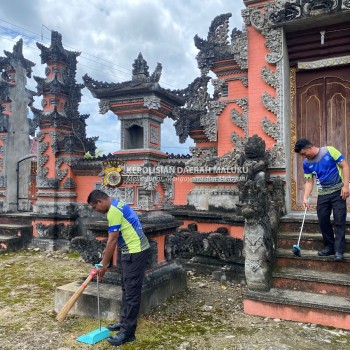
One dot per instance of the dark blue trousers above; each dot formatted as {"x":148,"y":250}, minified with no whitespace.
{"x":333,"y":239}
{"x":133,"y":268}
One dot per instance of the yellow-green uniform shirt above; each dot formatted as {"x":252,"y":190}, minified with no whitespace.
{"x":131,"y":237}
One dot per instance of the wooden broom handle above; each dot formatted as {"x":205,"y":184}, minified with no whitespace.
{"x":70,"y":303}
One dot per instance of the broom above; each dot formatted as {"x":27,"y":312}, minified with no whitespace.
{"x":296,"y":248}
{"x":70,"y":303}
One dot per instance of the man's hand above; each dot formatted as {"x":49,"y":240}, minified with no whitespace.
{"x":306,"y":203}
{"x":101,"y":270}
{"x":345,"y":191}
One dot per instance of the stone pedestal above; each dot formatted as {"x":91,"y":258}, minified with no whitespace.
{"x":159,"y":284}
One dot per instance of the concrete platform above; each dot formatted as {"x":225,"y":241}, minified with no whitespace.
{"x":159,"y":284}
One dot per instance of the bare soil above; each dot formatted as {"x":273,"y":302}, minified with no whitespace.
{"x":206,"y":316}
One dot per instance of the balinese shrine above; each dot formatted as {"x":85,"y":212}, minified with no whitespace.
{"x":232,"y":207}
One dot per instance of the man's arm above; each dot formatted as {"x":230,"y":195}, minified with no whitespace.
{"x":345,"y":169}
{"x":309,"y":185}
{"x":108,"y":252}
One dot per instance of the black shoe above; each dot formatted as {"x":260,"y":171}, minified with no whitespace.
{"x":339,"y":257}
{"x":326,"y":252}
{"x":120,"y":339}
{"x":114,"y":326}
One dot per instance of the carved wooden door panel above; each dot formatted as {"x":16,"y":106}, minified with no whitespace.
{"x":322,"y":115}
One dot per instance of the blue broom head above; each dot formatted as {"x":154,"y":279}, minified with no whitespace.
{"x":94,"y":336}
{"x":296,"y":250}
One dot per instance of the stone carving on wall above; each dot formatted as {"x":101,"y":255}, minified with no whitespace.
{"x":202,"y":156}
{"x":60,"y":173}
{"x":104,"y":106}
{"x":254,"y":204}
{"x":283,"y":11}
{"x":168,"y":188}
{"x":43,"y":159}
{"x":240,"y":47}
{"x":69,"y":184}
{"x":149,"y":182}
{"x":277,"y":156}
{"x":151,"y":102}
{"x":129,"y":195}
{"x":274,"y":39}
{"x":56,"y":231}
{"x":205,"y":247}
{"x":270,"y":103}
{"x":240,"y":119}
{"x":269,"y":77}
{"x":218,"y":85}
{"x":272,"y":129}
{"x":129,"y":123}
{"x":43,"y":146}
{"x":255,"y":17}
{"x":242,"y":78}
{"x":209,"y":120}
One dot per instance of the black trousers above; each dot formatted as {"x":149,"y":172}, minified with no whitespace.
{"x":133,"y":268}
{"x":333,"y":239}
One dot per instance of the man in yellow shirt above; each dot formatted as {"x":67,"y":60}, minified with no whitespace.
{"x":125,"y":230}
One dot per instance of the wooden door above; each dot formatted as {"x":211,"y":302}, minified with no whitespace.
{"x":322,"y":115}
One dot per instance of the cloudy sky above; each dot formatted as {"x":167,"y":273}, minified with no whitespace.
{"x":110,"y":34}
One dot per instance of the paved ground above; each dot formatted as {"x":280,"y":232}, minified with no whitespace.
{"x":207,"y":316}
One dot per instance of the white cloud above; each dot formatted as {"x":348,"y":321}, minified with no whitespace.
{"x":110,"y":34}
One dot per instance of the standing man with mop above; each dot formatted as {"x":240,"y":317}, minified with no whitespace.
{"x":125,"y":230}
{"x":331,"y":171}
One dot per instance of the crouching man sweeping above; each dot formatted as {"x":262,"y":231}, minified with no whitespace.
{"x":124,"y":230}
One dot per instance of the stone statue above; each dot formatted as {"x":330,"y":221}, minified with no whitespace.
{"x":254,"y":204}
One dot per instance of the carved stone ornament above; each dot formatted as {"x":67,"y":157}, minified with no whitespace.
{"x":60,"y":173}
{"x":286,"y":11}
{"x":269,"y":77}
{"x":197,"y":98}
{"x":271,"y":129}
{"x":216,"y":45}
{"x":151,"y":102}
{"x":270,"y":103}
{"x":209,"y":120}
{"x":240,"y":119}
{"x":129,"y":123}
{"x":277,"y":156}
{"x":212,"y":247}
{"x":43,"y":146}
{"x":258,"y":19}
{"x":149,"y":182}
{"x":104,"y":106}
{"x":274,"y":39}
{"x":43,"y":159}
{"x":240,"y":47}
{"x":69,"y":184}
{"x":202,"y":156}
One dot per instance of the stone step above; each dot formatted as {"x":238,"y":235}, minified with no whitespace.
{"x":292,"y":223}
{"x":299,"y":306}
{"x":309,"y":260}
{"x":329,"y":283}
{"x":308,"y":241}
{"x":16,"y":230}
{"x":10,"y":243}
